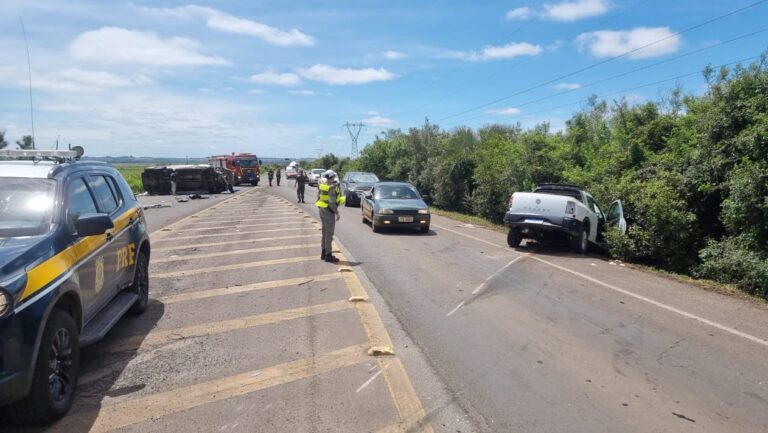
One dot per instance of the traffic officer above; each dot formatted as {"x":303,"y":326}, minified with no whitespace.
{"x":301,"y":181}
{"x":328,"y":200}
{"x":277,"y":176}
{"x":270,"y":175}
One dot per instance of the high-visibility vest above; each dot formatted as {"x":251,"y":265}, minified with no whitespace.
{"x":323,"y":195}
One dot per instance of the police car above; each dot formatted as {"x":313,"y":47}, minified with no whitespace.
{"x":74,"y":257}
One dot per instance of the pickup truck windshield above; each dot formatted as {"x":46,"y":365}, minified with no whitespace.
{"x":564,"y":192}
{"x":26,"y":206}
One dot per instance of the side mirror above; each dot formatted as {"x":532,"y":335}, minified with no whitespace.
{"x":260,"y":163}
{"x":369,"y":196}
{"x":93,"y":224}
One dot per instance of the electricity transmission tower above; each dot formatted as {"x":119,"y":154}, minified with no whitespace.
{"x":354,"y":133}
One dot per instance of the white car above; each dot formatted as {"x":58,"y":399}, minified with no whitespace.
{"x":560,"y":209}
{"x":314,"y":176}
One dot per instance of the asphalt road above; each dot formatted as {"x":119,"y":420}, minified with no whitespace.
{"x":248,"y":331}
{"x":540,"y":340}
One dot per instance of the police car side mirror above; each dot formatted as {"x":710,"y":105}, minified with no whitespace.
{"x":93,"y":224}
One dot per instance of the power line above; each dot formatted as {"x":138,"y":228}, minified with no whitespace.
{"x":595,"y":65}
{"x":619,"y":92}
{"x":642,"y":68}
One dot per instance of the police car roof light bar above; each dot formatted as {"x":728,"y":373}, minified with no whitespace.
{"x":59,"y":155}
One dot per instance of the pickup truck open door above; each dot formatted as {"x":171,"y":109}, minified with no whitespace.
{"x":616,"y":216}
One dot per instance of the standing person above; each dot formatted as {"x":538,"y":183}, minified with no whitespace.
{"x":270,"y":175}
{"x":328,"y":200}
{"x":277,"y":176}
{"x":174,"y":176}
{"x":301,"y":181}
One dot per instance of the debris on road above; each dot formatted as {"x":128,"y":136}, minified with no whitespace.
{"x":156,"y":206}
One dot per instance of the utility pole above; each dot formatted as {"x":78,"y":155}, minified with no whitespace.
{"x":354,"y":132}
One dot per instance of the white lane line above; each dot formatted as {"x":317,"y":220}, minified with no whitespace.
{"x":474,"y":238}
{"x":461,"y":304}
{"x":485,"y":283}
{"x":660,"y":304}
{"x":369,"y":381}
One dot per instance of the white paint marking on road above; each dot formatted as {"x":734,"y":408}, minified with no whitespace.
{"x":292,"y":220}
{"x":461,"y":304}
{"x":245,"y":241}
{"x":485,"y":283}
{"x":661,"y":305}
{"x":369,"y":381}
{"x":213,"y":235}
{"x":474,"y":238}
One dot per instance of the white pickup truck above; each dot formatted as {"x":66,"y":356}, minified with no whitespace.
{"x":560,"y":209}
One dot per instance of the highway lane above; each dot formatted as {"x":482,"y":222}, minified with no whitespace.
{"x":247,"y":330}
{"x":554,"y":342}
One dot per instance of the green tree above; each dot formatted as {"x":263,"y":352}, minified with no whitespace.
{"x":25,"y":142}
{"x":3,"y":142}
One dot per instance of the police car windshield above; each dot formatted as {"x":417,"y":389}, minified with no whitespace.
{"x":26,"y":206}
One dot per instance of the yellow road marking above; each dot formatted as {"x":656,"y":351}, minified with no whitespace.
{"x":233,"y":267}
{"x":210,"y":293}
{"x":214,"y":235}
{"x":197,"y":214}
{"x":229,"y":227}
{"x":158,"y":338}
{"x":409,"y":408}
{"x":114,"y":416}
{"x":215,"y":244}
{"x":249,"y":218}
{"x":185,"y":257}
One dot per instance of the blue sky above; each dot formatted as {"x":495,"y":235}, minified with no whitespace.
{"x":279,"y":78}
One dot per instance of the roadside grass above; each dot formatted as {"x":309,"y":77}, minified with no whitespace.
{"x":132,"y":174}
{"x":708,"y":285}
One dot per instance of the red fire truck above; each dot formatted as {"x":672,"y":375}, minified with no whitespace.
{"x":245,"y":166}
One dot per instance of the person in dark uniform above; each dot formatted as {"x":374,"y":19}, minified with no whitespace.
{"x":270,"y":175}
{"x":277,"y":176}
{"x":301,"y":181}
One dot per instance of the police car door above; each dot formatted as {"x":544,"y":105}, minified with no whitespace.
{"x":115,"y":258}
{"x":92,"y":272}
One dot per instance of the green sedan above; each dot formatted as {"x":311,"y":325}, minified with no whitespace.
{"x":395,"y":204}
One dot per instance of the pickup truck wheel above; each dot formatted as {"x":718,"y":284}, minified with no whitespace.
{"x":514,"y":238}
{"x":141,"y":285}
{"x":55,"y":375}
{"x":581,"y":242}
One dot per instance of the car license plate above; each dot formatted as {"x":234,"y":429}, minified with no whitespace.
{"x":534,"y":220}
{"x":405,"y":219}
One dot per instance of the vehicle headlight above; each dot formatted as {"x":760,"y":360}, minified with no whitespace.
{"x":386,"y":212}
{"x":424,"y":211}
{"x":6,"y":303}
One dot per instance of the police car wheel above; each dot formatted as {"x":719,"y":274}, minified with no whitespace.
{"x":141,"y":285}
{"x":55,"y":375}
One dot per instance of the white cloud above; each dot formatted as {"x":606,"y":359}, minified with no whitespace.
{"x":568,"y":86}
{"x":609,"y":43}
{"x":119,"y":45}
{"x":70,"y":80}
{"x":393,"y":55}
{"x":508,"y":51}
{"x":574,"y":10}
{"x":377,"y":120}
{"x":511,"y":111}
{"x":522,"y":13}
{"x":257,"y":92}
{"x":227,"y":23}
{"x":276,"y":78}
{"x":303,"y":92}
{"x":338,"y":76}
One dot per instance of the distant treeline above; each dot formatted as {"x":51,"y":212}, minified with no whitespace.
{"x":692,"y":171}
